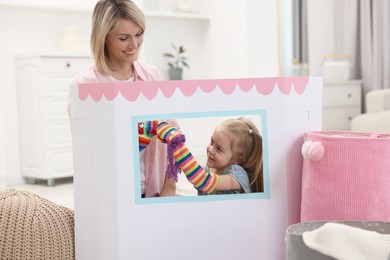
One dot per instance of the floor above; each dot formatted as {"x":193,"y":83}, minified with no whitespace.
{"x":62,"y":190}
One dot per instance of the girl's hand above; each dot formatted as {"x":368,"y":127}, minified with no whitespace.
{"x":167,"y":132}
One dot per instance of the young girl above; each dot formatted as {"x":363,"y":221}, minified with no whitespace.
{"x":234,"y":157}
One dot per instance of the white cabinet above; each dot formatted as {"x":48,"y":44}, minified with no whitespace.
{"x":342,"y":101}
{"x":45,"y":140}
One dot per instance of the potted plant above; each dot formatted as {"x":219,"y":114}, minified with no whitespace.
{"x":176,"y":62}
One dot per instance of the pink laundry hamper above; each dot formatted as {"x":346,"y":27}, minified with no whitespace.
{"x":346,"y":176}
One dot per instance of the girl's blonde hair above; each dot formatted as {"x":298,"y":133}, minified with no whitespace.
{"x":247,"y":145}
{"x":104,"y":19}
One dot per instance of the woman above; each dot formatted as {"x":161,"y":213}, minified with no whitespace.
{"x":118,"y":28}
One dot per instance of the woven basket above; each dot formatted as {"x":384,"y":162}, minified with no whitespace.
{"x":297,"y":250}
{"x":346,"y":176}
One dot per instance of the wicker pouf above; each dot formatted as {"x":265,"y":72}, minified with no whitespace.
{"x":32,"y":227}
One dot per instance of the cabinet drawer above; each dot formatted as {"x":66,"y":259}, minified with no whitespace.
{"x":54,"y":163}
{"x":57,"y":85}
{"x":59,"y":163}
{"x":64,"y":65}
{"x":54,"y":108}
{"x":338,"y":118}
{"x":341,"y":96}
{"x":56,"y":134}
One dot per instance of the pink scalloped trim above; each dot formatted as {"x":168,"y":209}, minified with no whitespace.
{"x":264,"y":86}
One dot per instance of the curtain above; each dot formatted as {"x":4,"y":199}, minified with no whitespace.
{"x":299,"y":16}
{"x":363,"y":31}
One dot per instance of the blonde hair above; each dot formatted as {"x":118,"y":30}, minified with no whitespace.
{"x":104,"y":19}
{"x":247,"y":145}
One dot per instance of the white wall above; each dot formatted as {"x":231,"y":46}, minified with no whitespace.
{"x":69,"y":5}
{"x":321,"y":27}
{"x":245,"y":40}
{"x":161,"y":32}
{"x":193,"y":33}
{"x":229,"y":42}
{"x":262,"y":49}
{"x":239,"y":40}
{"x":2,"y":137}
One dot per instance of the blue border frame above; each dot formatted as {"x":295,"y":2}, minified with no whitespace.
{"x":137,"y":180}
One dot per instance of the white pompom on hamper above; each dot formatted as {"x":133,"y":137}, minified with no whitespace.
{"x":346,"y":176}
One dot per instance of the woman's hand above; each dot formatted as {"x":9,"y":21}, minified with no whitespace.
{"x":169,"y":188}
{"x":146,"y":131}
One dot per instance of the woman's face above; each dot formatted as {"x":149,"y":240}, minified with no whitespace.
{"x":219,"y":151}
{"x":123,"y":42}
